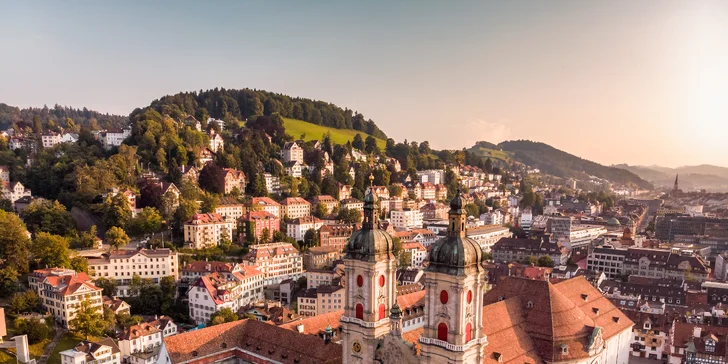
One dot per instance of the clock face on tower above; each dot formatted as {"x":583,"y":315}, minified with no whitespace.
{"x":356,"y":347}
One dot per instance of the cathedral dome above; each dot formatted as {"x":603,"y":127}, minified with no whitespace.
{"x":369,"y":245}
{"x":455,"y":255}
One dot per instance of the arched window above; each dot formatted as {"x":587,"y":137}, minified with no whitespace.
{"x":468,"y":332}
{"x":382,"y":312}
{"x":381,"y":281}
{"x":442,"y":331}
{"x":443,"y":296}
{"x":359,"y":281}
{"x":469,"y":297}
{"x":359,"y":311}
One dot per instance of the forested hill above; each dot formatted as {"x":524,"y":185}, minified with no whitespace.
{"x":561,"y":164}
{"x":237,"y":105}
{"x":58,"y":116}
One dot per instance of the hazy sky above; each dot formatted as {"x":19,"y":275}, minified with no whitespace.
{"x":615,"y":81}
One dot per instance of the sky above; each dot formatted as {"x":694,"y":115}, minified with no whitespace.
{"x":637,"y":82}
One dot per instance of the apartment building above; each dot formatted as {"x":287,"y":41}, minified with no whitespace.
{"x":194,"y":270}
{"x":321,"y":300}
{"x":139,"y":343}
{"x":406,"y":219}
{"x":278,"y":261}
{"x":230,"y":209}
{"x":336,"y":235}
{"x":323,"y":277}
{"x":291,"y":151}
{"x":651,"y":263}
{"x":254,"y":224}
{"x":215,"y":291}
{"x":272,"y":183}
{"x":204,"y":230}
{"x":434,"y":211}
{"x":62,"y":290}
{"x":329,"y":202}
{"x":92,"y":352}
{"x":297,"y":227}
{"x":123,"y":265}
{"x":417,"y":252}
{"x":295,"y":207}
{"x":571,"y":234}
{"x":487,"y":236}
{"x":318,"y":257}
{"x":114,"y":137}
{"x":608,"y":261}
{"x":508,"y":250}
{"x":51,"y":139}
{"x":234,"y":180}
{"x":266,"y":204}
{"x":352,"y":204}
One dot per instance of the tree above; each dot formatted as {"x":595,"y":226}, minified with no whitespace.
{"x":9,"y":283}
{"x":89,"y":320}
{"x":85,"y":240}
{"x":265,"y":236}
{"x":48,"y":216}
{"x":79,"y":264}
{"x":311,"y":238}
{"x":209,"y":203}
{"x":357,"y":142}
{"x":531,"y":260}
{"x":108,"y":286}
{"x":116,"y":211}
{"x":212,"y":178}
{"x":371,"y":145}
{"x":116,"y":237}
{"x":472,"y":209}
{"x":36,"y":329}
{"x":23,"y":302}
{"x":51,"y":251}
{"x":148,"y":221}
{"x":545,"y":261}
{"x":222,"y":316}
{"x":320,"y":210}
{"x":348,"y":216}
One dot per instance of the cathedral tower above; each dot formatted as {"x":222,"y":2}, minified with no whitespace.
{"x":455,"y":284}
{"x":371,"y":287}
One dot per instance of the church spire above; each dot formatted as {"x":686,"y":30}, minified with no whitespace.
{"x":675,"y":188}
{"x":370,"y":214}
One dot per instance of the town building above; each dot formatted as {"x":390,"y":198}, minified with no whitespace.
{"x":318,"y":257}
{"x":352,"y":204}
{"x":294,"y":168}
{"x":335,"y":235}
{"x":508,"y":250}
{"x":272,"y":183}
{"x":297,"y":228}
{"x":122,"y":265}
{"x":140,"y":343}
{"x":234,"y":290}
{"x":295,"y":207}
{"x":668,"y":226}
{"x":89,"y":352}
{"x":321,"y":300}
{"x":234,"y":180}
{"x":216,"y":142}
{"x":114,"y":137}
{"x":266,"y":204}
{"x":571,"y":234}
{"x":278,"y":261}
{"x":344,"y":191}
{"x":406,"y":219}
{"x":692,"y":343}
{"x":230,"y":209}
{"x":51,"y":139}
{"x":194,"y":270}
{"x":434,"y":211}
{"x":116,"y":305}
{"x":254,"y":224}
{"x":291,"y":151}
{"x":651,"y":263}
{"x":205,"y":230}
{"x":417,"y":253}
{"x":14,"y":191}
{"x":488,"y":235}
{"x":328,"y":201}
{"x":61,"y":292}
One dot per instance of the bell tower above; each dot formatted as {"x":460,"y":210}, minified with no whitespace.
{"x":371,"y":286}
{"x":455,"y":284}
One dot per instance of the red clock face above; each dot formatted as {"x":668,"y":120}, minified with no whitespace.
{"x":359,"y":281}
{"x":443,"y":297}
{"x":381,"y":281}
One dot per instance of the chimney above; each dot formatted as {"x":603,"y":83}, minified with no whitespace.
{"x":299,"y":328}
{"x":697,"y":331}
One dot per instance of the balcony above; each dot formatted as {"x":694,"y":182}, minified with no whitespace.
{"x":453,"y":347}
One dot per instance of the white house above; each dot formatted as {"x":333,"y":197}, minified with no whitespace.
{"x":297,"y":227}
{"x":406,"y":219}
{"x":219,"y":290}
{"x":85,"y":352}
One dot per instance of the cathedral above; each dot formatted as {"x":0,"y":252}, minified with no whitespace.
{"x":519,"y":321}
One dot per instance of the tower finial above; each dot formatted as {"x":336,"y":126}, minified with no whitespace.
{"x":371,"y":179}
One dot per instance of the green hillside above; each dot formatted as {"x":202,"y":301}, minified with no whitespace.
{"x":295,"y":128}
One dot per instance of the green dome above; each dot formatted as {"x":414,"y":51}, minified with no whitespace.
{"x":369,"y":245}
{"x":455,"y":255}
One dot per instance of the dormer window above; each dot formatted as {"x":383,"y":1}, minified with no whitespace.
{"x":564,"y":349}
{"x":529,"y":304}
{"x":647,"y":326}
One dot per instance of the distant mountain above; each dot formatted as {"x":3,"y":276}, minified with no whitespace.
{"x":562,"y":164}
{"x":705,"y":176}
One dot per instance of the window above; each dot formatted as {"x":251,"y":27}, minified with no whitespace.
{"x":443,"y":296}
{"x":359,"y":281}
{"x":442,"y":331}
{"x":468,"y":332}
{"x":382,"y":312}
{"x":381,"y":281}
{"x":359,"y":310}
{"x":469,"y":296}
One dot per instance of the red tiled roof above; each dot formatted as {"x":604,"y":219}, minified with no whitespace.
{"x":258,"y":338}
{"x":315,"y":324}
